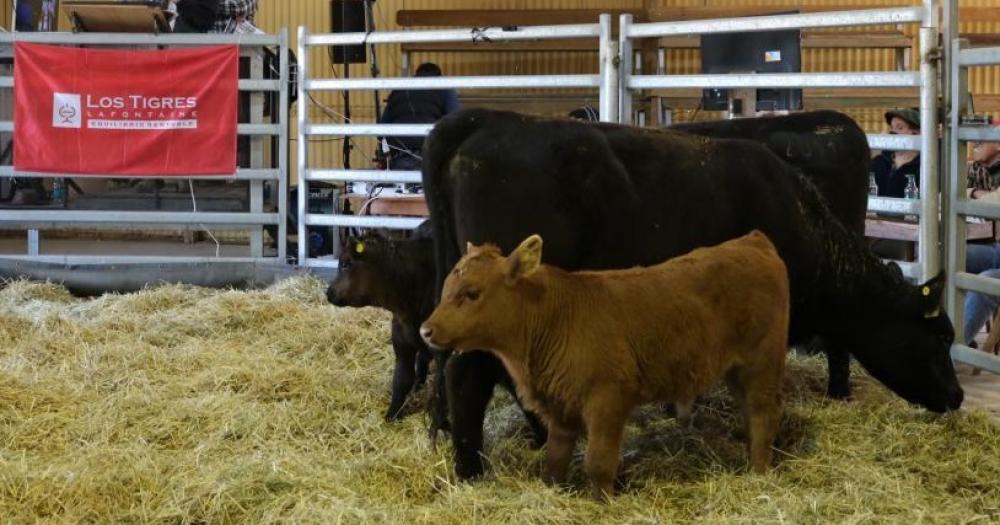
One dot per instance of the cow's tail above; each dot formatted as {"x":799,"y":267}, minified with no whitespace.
{"x":440,"y":148}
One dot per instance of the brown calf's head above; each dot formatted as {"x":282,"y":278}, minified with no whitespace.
{"x":482,"y":297}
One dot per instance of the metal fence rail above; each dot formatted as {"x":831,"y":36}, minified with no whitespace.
{"x":33,"y":220}
{"x":925,"y":80}
{"x":605,"y":82}
{"x":958,"y":206}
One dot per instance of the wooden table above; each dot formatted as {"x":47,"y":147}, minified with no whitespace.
{"x":390,"y":203}
{"x":883,"y":228}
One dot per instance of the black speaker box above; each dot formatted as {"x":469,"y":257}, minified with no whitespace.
{"x":347,"y":16}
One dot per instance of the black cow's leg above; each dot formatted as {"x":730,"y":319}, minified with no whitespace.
{"x":423,"y":365}
{"x":839,"y":366}
{"x":471,"y":378}
{"x":403,"y":376}
{"x":437,"y":407}
{"x":539,"y":432}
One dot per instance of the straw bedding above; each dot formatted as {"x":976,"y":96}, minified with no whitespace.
{"x":186,"y":405}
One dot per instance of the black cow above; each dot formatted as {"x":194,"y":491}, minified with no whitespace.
{"x":828,"y":147}
{"x":397,"y":275}
{"x":830,"y":150}
{"x":609,"y":196}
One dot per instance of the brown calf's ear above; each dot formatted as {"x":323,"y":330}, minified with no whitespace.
{"x":525,"y":259}
{"x":468,"y":247}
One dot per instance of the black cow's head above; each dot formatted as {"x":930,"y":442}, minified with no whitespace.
{"x":908,"y":350}
{"x":360,"y":279}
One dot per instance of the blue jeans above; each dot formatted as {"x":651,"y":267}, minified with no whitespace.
{"x":979,"y":307}
{"x":981,"y":257}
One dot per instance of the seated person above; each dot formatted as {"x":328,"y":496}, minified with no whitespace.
{"x":984,"y":172}
{"x":892,"y":167}
{"x":983,"y":259}
{"x":194,"y":16}
{"x":236,"y":16}
{"x":415,"y":106}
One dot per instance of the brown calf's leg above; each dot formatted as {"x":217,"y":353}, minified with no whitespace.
{"x":558,"y":453}
{"x":765,"y":417}
{"x":763,"y":386}
{"x":685,"y":412}
{"x":604,"y":416}
{"x":736,"y":390}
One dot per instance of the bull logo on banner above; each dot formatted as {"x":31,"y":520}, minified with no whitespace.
{"x":66,"y":110}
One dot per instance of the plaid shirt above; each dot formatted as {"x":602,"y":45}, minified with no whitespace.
{"x":983,"y":177}
{"x":231,"y":12}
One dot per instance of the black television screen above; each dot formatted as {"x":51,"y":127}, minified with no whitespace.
{"x":760,"y":52}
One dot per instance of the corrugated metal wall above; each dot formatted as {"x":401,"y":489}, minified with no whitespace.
{"x":315,"y":14}
{"x":6,"y":9}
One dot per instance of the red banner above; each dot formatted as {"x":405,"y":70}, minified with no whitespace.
{"x":133,"y":112}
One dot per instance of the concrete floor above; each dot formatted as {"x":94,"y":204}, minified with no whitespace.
{"x":981,"y":391}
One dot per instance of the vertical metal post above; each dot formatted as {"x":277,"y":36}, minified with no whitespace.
{"x":930,"y":250}
{"x":405,"y":64}
{"x":957,"y":184}
{"x":949,"y":197}
{"x":625,"y":69}
{"x":283,"y":150}
{"x":609,"y":90}
{"x":257,"y":153}
{"x":660,"y":117}
{"x":33,"y":242}
{"x":303,"y":141}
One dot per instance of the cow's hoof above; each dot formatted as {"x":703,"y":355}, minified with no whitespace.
{"x":841,"y":394}
{"x":469,"y":468}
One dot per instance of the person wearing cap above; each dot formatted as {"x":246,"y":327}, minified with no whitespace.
{"x":892,"y":167}
{"x":984,"y":171}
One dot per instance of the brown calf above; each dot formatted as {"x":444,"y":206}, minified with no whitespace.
{"x":585,"y":348}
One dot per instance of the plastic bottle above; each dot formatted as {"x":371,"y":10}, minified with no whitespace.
{"x":59,"y":191}
{"x":912,"y":193}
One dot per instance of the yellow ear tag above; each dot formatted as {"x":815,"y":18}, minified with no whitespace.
{"x":360,"y":248}
{"x":926,"y":291}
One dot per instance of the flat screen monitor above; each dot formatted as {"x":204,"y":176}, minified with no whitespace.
{"x":756,"y":52}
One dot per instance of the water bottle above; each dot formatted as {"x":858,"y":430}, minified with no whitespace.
{"x":59,"y":191}
{"x":872,"y":189}
{"x":912,"y":193}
